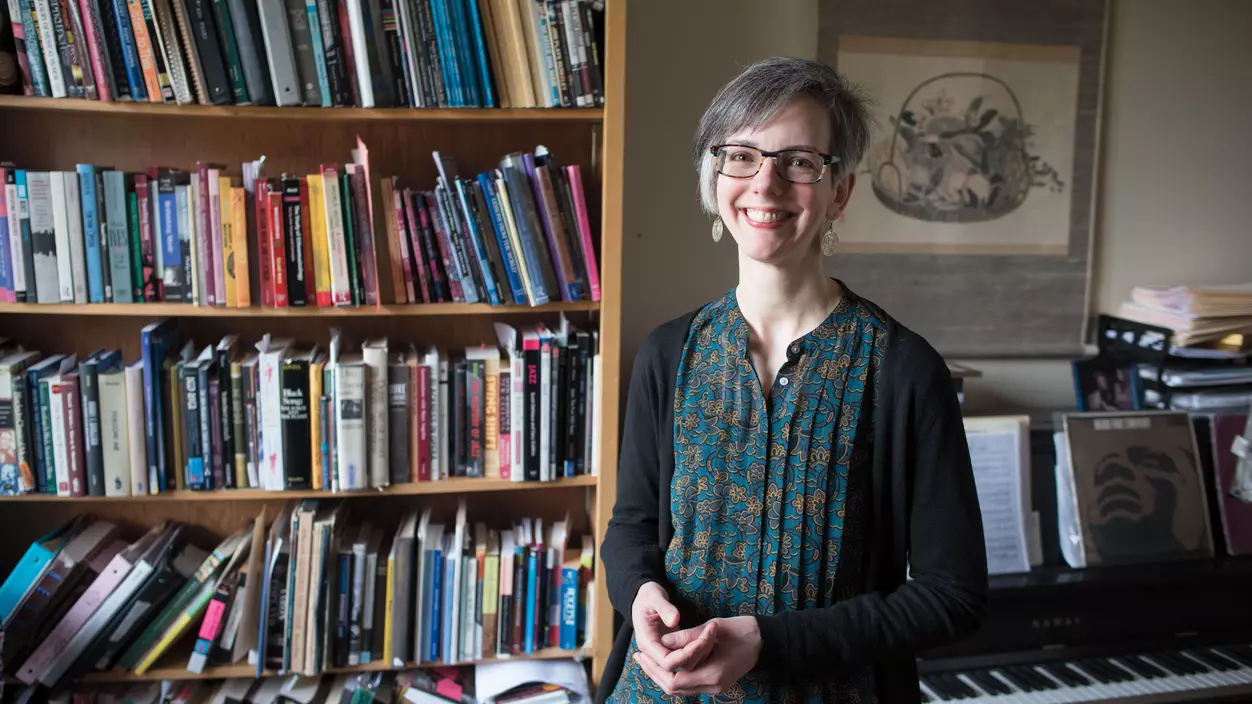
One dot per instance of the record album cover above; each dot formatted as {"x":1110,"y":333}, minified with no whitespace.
{"x":1236,"y":514}
{"x":1137,"y":487}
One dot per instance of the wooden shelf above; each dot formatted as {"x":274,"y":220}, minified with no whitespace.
{"x":21,"y":102}
{"x":187,"y":310}
{"x":179,"y":672}
{"x":459,"y":485}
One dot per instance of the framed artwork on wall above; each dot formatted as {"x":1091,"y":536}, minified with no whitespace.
{"x":971,"y":219}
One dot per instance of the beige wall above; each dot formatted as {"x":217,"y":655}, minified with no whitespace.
{"x":1174,"y":178}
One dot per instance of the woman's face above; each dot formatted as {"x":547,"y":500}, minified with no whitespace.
{"x":774,"y":220}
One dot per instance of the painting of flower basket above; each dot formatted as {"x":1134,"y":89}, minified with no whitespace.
{"x":947,"y":163}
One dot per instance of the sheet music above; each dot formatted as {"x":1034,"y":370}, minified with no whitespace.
{"x":997,"y":454}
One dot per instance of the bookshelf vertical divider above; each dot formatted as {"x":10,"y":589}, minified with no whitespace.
{"x":57,"y":134}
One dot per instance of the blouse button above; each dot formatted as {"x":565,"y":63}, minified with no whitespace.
{"x":782,"y":381}
{"x":795,"y":349}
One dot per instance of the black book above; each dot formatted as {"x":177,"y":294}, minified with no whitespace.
{"x":228,"y":409}
{"x":256,"y":68}
{"x":194,"y":471}
{"x":293,"y":245}
{"x":332,"y":48}
{"x":460,"y":420}
{"x":89,"y":389}
{"x":398,"y":420}
{"x":204,"y":33}
{"x":297,"y":435}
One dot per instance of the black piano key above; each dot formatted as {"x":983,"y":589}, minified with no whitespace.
{"x":1175,"y":664}
{"x":962,"y":690}
{"x":1079,"y":675}
{"x":1229,"y":660}
{"x":940,"y":688}
{"x":1243,"y":657}
{"x":1214,"y":661}
{"x":1062,"y":673}
{"x":1041,"y":681}
{"x":1197,"y":668}
{"x":1122,"y":674}
{"x":988,"y":681}
{"x":1143,"y":667}
{"x":1090,"y":668}
{"x":1016,"y":678}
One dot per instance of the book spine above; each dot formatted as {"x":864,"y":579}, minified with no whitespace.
{"x":423,"y":424}
{"x":277,"y":248}
{"x":296,"y":438}
{"x":93,"y":449}
{"x":293,"y":247}
{"x":224,"y":24}
{"x":398,"y":422}
{"x":214,"y":416}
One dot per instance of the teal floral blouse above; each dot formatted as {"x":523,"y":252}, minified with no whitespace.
{"x":767,"y":494}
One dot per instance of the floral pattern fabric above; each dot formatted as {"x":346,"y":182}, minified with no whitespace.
{"x":766,"y":495}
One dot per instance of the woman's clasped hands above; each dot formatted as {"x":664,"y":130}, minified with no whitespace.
{"x":706,"y":659}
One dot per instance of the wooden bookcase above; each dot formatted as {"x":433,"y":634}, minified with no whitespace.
{"x":56,"y":134}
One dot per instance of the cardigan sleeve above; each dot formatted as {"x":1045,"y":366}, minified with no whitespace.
{"x":631,"y":552}
{"x":945,"y":597}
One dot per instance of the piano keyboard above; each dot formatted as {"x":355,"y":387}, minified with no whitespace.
{"x":1164,"y":676}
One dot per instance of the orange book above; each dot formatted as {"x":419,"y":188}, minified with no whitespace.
{"x":228,"y":242}
{"x":238,"y":264}
{"x":144,"y":48}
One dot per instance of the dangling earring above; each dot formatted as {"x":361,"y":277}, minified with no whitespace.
{"x":830,"y":240}
{"x":718,"y":228}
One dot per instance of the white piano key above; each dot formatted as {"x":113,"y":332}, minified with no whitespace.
{"x":934,"y":696}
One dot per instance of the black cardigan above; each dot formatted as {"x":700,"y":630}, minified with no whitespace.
{"x":923,"y":519}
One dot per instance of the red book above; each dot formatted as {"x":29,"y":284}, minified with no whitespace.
{"x":306,"y":233}
{"x":423,"y":423}
{"x":278,"y":254}
{"x":264,"y":263}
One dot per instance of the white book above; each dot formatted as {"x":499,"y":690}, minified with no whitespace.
{"x":48,"y":42}
{"x":272,"y":472}
{"x":455,"y":652}
{"x":431,"y":362}
{"x":340,"y":286}
{"x":508,"y":339}
{"x":60,"y":456}
{"x":351,"y":423}
{"x":539,"y":76}
{"x":186,"y":240}
{"x":78,"y":241}
{"x":219,"y":253}
{"x":374,"y":353}
{"x":114,"y":433}
{"x":61,"y":227}
{"x":364,"y":78}
{"x":135,"y":432}
{"x":18,"y":256}
{"x":198,"y":293}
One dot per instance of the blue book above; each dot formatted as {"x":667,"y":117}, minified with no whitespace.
{"x":157,"y":341}
{"x":319,"y":51}
{"x":34,"y":50}
{"x":447,"y":53}
{"x":28,"y":254}
{"x":45,"y":474}
{"x":436,"y":605}
{"x":130,"y":54}
{"x":30,"y":568}
{"x":533,"y":589}
{"x":91,"y":233}
{"x":474,"y":238}
{"x":569,"y":606}
{"x":6,"y":252}
{"x":516,"y":182}
{"x":462,"y":52}
{"x":487,"y":96}
{"x":450,"y":595}
{"x":501,"y":232}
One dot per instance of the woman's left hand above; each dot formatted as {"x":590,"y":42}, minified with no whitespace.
{"x":722,"y":650}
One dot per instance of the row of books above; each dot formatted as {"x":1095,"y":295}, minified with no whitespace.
{"x":518,"y":234}
{"x":289,"y":416}
{"x":443,"y":685}
{"x":364,"y":53}
{"x":311,"y":590}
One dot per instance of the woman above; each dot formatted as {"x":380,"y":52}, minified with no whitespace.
{"x":790,"y":452}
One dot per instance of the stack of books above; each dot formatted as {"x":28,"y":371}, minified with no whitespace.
{"x":518,"y":234}
{"x":1198,"y":315}
{"x":285,"y":415}
{"x":313,"y":590}
{"x":328,"y":53}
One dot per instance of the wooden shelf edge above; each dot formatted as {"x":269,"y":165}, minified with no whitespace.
{"x":22,"y":102}
{"x":230,"y":671}
{"x":187,"y":310}
{"x":446,"y":486}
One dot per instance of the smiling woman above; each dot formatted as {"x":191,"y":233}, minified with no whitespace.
{"x":790,"y":452}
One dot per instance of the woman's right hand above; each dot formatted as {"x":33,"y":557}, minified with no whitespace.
{"x":653,"y":616}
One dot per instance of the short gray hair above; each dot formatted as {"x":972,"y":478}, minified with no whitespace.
{"x":761,"y":90}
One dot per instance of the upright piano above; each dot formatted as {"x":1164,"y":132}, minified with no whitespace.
{"x":1158,"y":632}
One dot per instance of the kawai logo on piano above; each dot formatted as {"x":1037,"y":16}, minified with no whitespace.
{"x":1055,"y":622}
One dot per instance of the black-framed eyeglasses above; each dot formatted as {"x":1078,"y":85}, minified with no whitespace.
{"x":795,"y":165}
